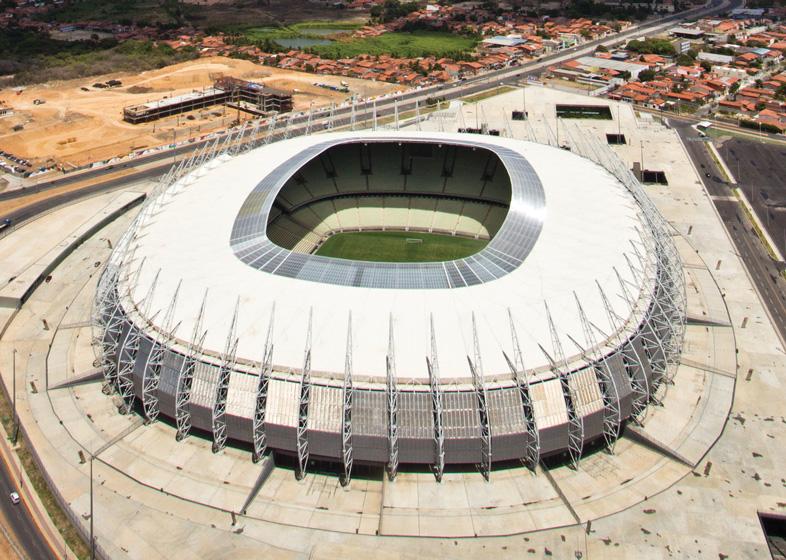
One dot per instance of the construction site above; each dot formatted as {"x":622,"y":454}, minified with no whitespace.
{"x":78,"y":124}
{"x":250,"y":97}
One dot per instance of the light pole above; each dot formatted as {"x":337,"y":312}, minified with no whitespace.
{"x":13,"y":374}
{"x":642,"y":158}
{"x":92,"y":537}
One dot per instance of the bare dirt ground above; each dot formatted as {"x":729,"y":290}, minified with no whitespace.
{"x":74,"y":127}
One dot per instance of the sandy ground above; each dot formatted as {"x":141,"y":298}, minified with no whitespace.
{"x":74,"y":127}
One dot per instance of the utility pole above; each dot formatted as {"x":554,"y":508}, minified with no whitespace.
{"x":524,"y":101}
{"x":13,"y":373}
{"x":642,"y":158}
{"x":92,"y":536}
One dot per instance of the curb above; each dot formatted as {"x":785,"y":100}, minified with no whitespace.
{"x":32,"y":502}
{"x":731,"y":242}
{"x":766,"y":234}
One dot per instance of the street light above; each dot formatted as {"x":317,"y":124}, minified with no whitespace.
{"x":92,"y":536}
{"x":13,"y":374}
{"x":642,"y":158}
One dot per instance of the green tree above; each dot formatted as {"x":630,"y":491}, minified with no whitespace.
{"x":685,"y":60}
{"x":647,"y":75}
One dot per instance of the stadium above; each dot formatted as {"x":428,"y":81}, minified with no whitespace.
{"x":396,"y":299}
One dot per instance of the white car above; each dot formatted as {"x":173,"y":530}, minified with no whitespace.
{"x":14,"y":498}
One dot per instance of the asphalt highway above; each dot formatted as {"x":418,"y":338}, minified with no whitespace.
{"x":19,"y":520}
{"x":768,"y":282}
{"x":384,"y":107}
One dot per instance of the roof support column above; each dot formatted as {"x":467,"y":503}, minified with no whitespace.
{"x":476,"y":368}
{"x":391,"y":389}
{"x":346,"y":412}
{"x":560,"y":369}
{"x":305,"y":397}
{"x":432,"y":364}
{"x":532,"y":451}
{"x":260,"y":407}
{"x":186,"y":377}
{"x":228,"y":362}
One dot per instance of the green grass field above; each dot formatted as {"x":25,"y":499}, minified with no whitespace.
{"x":392,"y":246}
{"x":400,"y":44}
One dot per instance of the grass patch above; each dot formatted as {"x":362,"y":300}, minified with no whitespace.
{"x":402,"y":45}
{"x":721,"y":132}
{"x":486,"y":94}
{"x":755,"y":225}
{"x":335,"y":24}
{"x":392,"y":246}
{"x":70,"y":533}
{"x":600,"y":112}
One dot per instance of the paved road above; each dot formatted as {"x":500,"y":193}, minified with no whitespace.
{"x":405,"y":101}
{"x":760,"y":170}
{"x":19,"y":519}
{"x":768,"y":282}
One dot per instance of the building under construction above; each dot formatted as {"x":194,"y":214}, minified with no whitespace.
{"x":249,"y":97}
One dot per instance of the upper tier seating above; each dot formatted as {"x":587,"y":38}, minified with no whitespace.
{"x":390,"y":186}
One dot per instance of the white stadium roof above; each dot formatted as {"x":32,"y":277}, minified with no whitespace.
{"x":589,"y":225}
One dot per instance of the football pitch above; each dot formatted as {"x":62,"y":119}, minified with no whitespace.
{"x":398,"y":246}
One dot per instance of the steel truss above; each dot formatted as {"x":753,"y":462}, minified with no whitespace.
{"x":670,"y":282}
{"x":559,"y":366}
{"x":612,"y":416}
{"x":155,"y":360}
{"x":639,"y":384}
{"x":391,"y":390}
{"x":271,"y":127}
{"x":305,"y":398}
{"x":532,"y":451}
{"x":476,"y":368}
{"x":126,"y":359}
{"x":228,"y":362}
{"x":109,"y":320}
{"x":259,"y":437}
{"x":652,"y":336}
{"x":432,"y":363}
{"x":346,"y":411}
{"x":670,"y":299}
{"x":186,"y":377}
